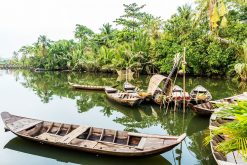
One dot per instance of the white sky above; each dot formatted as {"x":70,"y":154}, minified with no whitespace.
{"x":22,"y":21}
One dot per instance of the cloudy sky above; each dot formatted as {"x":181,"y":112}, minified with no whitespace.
{"x":22,"y":21}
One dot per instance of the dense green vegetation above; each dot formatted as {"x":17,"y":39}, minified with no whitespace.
{"x":235,"y":131}
{"x":213,"y":33}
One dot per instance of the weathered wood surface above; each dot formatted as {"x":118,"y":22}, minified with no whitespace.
{"x":22,"y":124}
{"x":90,"y":139}
{"x":124,"y":98}
{"x":87,"y":87}
{"x":69,"y":137}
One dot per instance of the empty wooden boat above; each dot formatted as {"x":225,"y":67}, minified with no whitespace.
{"x":124,"y":98}
{"x":89,"y":139}
{"x":200,"y":94}
{"x":206,"y":109}
{"x":87,"y":87}
{"x":221,"y":158}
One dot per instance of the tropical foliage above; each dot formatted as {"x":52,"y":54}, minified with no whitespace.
{"x":235,"y":131}
{"x":212,"y":33}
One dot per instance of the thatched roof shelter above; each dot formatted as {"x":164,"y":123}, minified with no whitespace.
{"x":155,"y":82}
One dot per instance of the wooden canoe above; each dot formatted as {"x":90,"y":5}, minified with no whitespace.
{"x":87,"y":87}
{"x":124,"y":98}
{"x":90,"y":139}
{"x":206,"y":109}
{"x":200,"y":94}
{"x":231,"y":158}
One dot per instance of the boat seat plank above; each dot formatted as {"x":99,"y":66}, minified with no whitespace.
{"x":114,"y":137}
{"x":22,"y":124}
{"x":48,"y":137}
{"x":141,"y":144}
{"x":73,"y":134}
{"x":61,"y":125}
{"x":50,"y":127}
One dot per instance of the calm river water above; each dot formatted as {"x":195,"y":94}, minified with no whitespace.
{"x":48,"y":96}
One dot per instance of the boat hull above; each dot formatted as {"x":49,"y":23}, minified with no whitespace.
{"x":87,"y":87}
{"x":123,"y":98}
{"x":90,"y":139}
{"x":204,"y":109}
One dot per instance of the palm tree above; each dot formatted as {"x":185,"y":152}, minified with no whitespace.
{"x":43,"y":43}
{"x":83,"y":33}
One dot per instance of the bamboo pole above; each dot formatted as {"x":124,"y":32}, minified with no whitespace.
{"x":184,"y":64}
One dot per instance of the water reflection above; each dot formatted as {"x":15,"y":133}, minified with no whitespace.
{"x":146,"y":118}
{"x":62,"y":155}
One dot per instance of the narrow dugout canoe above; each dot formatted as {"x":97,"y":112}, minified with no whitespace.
{"x":124,"y":98}
{"x":231,"y":158}
{"x":87,"y":87}
{"x":90,"y":139}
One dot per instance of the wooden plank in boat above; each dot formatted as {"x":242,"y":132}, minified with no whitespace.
{"x":108,"y":146}
{"x":48,"y":137}
{"x":69,"y":137}
{"x":141,"y":144}
{"x":22,"y":124}
{"x":88,"y":143}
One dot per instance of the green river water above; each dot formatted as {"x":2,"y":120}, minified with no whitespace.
{"x":47,"y":96}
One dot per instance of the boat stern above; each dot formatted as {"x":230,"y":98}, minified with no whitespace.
{"x":181,"y":138}
{"x":5,"y":116}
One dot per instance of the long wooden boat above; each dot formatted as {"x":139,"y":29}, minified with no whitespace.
{"x":222,"y":159}
{"x":206,"y":109}
{"x":200,"y":94}
{"x":87,"y":87}
{"x":89,"y":139}
{"x":124,"y":98}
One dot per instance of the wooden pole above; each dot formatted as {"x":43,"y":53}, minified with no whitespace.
{"x":184,"y":64}
{"x":126,"y":74}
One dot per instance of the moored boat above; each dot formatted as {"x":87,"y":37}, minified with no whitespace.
{"x":90,"y":139}
{"x":200,"y":94}
{"x":87,"y":87}
{"x":124,"y":98}
{"x":206,"y":109}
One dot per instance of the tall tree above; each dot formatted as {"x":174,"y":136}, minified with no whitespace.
{"x":83,"y":33}
{"x":131,"y":20}
{"x":43,"y":43}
